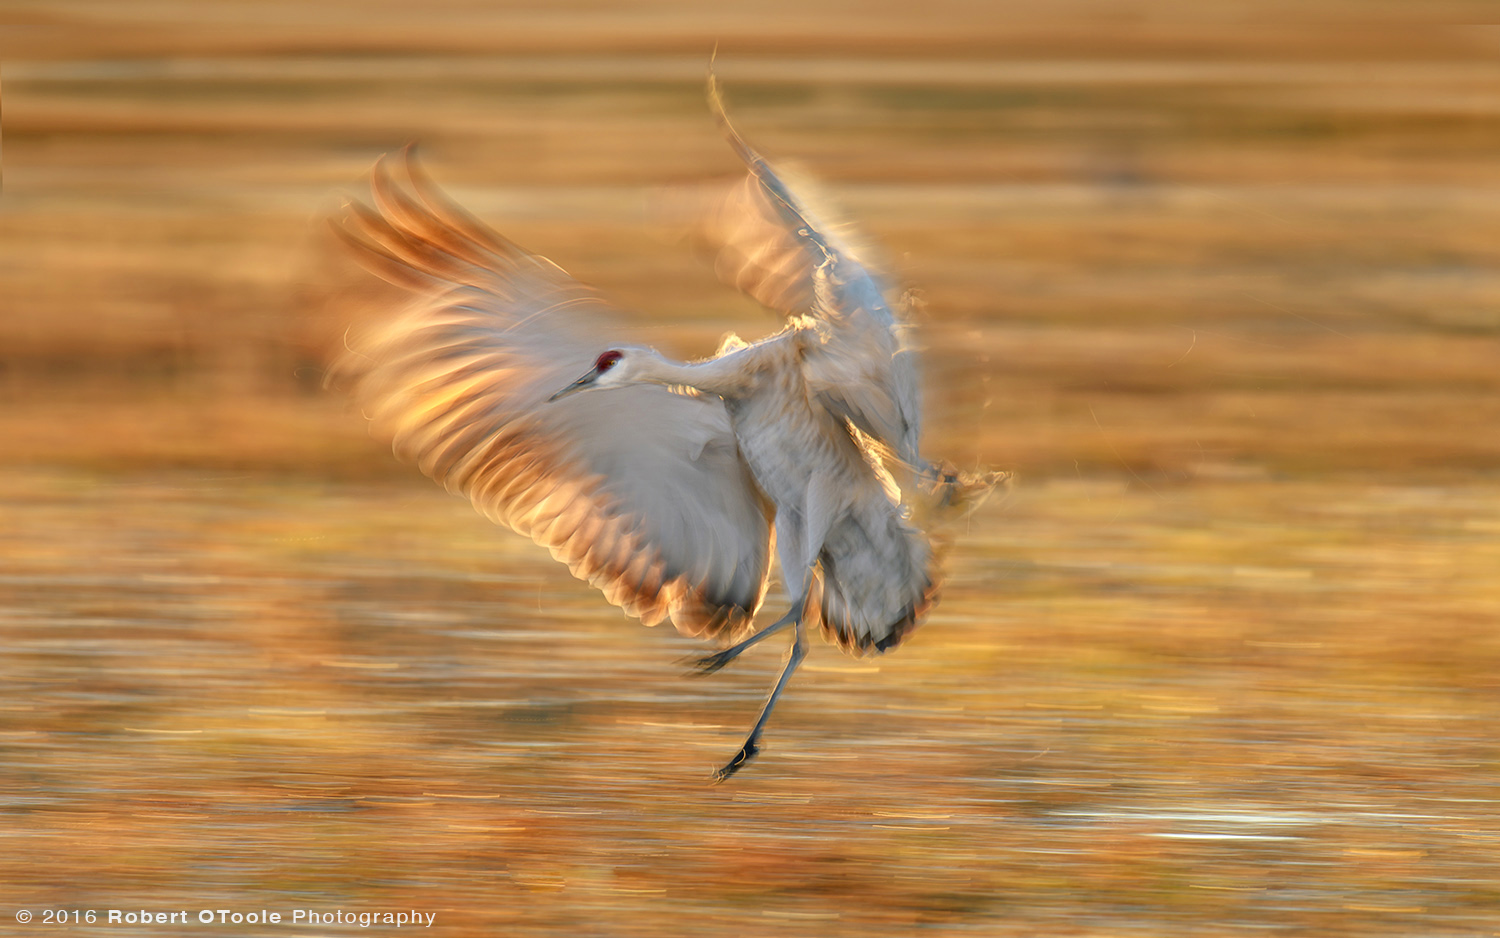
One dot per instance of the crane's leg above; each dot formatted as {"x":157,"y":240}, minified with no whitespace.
{"x":708,"y":664}
{"x":751,"y":747}
{"x":799,"y":541}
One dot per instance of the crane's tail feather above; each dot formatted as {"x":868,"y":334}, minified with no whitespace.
{"x":878,"y":579}
{"x":879,"y":573}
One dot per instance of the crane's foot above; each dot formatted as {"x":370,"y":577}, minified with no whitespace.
{"x":746,"y":753}
{"x":708,"y":664}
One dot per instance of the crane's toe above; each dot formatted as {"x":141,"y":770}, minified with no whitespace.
{"x":708,"y":664}
{"x":746,"y":753}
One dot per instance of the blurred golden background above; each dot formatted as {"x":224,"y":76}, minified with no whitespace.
{"x":1223,"y":290}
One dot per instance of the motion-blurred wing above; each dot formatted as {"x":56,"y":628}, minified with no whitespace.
{"x":640,"y":491}
{"x":791,"y":253}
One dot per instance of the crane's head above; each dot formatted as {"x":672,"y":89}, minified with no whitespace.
{"x":612,"y":369}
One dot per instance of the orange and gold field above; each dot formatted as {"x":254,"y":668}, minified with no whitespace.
{"x":1224,"y":292}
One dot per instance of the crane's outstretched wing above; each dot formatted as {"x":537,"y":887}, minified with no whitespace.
{"x":791,"y":254}
{"x":640,"y":491}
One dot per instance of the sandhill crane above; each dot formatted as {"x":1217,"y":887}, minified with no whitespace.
{"x":661,"y":486}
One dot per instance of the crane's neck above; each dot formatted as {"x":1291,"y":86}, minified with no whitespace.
{"x":730,"y":375}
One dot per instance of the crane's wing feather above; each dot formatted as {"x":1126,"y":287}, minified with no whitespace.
{"x":640,"y":491}
{"x":784,"y":247}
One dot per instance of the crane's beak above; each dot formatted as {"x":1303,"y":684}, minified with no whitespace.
{"x":582,"y":384}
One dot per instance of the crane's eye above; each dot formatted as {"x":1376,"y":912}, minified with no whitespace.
{"x":607,"y":361}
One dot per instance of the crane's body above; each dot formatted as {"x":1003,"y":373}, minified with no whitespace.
{"x":833,"y":508}
{"x":664,"y":491}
